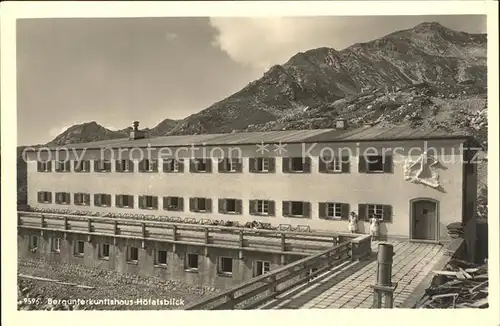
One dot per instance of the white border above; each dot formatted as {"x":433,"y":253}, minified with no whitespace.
{"x":10,"y":11}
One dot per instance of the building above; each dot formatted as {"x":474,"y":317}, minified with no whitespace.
{"x":416,"y":182}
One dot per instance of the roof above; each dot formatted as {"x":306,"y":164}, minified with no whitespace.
{"x":361,"y":134}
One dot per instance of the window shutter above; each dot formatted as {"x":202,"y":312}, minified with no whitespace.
{"x":87,"y":199}
{"x":307,"y":164}
{"x":388,"y":164}
{"x":96,"y":165}
{"x":209,"y":165}
{"x":286,"y":208}
{"x":180,"y":165}
{"x":131,"y":201}
{"x":239,"y":165}
{"x":97,"y":200}
{"x":322,"y":165}
{"x":221,"y":206}
{"x":68,"y":166}
{"x":181,"y":204}
{"x":272,"y":208}
{"x":286,"y":164}
{"x":50,"y":197}
{"x":387,"y":213}
{"x":306,"y":209}
{"x":192,"y":204}
{"x":362,"y":164}
{"x":251,"y":164}
{"x":322,"y":210}
{"x":221,"y":165}
{"x":108,"y":200}
{"x":40,"y":196}
{"x":130,"y":165}
{"x":346,"y":164}
{"x":142,"y":202}
{"x":208,"y":204}
{"x":166,"y":202}
{"x":239,"y":206}
{"x":49,"y":166}
{"x":155,"y":202}
{"x":58,"y":197}
{"x":345,"y":211}
{"x":272,"y":164}
{"x":39,"y":166}
{"x":253,"y":206}
{"x":87,"y":165}
{"x":362,"y":212}
{"x":192,"y":167}
{"x":118,"y":200}
{"x":77,"y":166}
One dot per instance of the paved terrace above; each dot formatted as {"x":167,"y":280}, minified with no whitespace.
{"x":349,"y":285}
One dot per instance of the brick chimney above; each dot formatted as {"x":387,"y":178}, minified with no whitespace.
{"x":136,"y":133}
{"x":340,"y":124}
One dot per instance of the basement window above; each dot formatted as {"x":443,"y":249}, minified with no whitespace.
{"x":161,"y":258}
{"x":79,"y":248}
{"x":104,"y":251}
{"x":225,"y":266}
{"x":261,"y":267}
{"x":192,"y":262}
{"x":132,"y":255}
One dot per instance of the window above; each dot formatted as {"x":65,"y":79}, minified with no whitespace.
{"x":148,"y":165}
{"x":173,"y":204}
{"x":102,"y":166}
{"x":295,"y":209}
{"x":230,"y":165}
{"x":230,"y":206}
{"x":375,"y":163}
{"x":161,"y":258}
{"x":200,"y":205}
{"x":44,"y":197}
{"x":262,"y":164}
{"x":201,"y":165}
{"x":367,"y":211}
{"x":33,"y":243}
{"x":334,"y":211}
{"x":225,"y":266}
{"x":262,"y":207}
{"x":124,"y":201}
{"x":55,"y":245}
{"x":173,"y":165}
{"x":45,"y":166}
{"x":192,"y":261}
{"x":334,"y":164}
{"x":124,"y":166}
{"x":148,"y":202}
{"x":81,"y":199}
{"x":261,"y":267}
{"x":132,"y":254}
{"x":81,"y":166}
{"x":63,"y":198}
{"x":102,"y":200}
{"x":63,"y":166}
{"x":104,"y":251}
{"x":79,"y":248}
{"x":296,"y":164}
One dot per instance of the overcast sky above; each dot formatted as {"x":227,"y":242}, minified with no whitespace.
{"x":117,"y":70}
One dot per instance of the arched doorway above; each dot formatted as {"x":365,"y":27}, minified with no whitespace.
{"x":424,"y":219}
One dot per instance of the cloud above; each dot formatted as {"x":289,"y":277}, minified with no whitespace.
{"x":265,"y":41}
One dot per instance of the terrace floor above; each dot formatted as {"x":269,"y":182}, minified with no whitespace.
{"x":349,"y":285}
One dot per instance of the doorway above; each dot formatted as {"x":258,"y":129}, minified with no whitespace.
{"x":424,"y":219}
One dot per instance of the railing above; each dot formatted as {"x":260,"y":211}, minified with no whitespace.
{"x":260,"y":290}
{"x":243,"y":239}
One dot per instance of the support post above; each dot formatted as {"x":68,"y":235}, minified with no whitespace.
{"x":384,"y":288}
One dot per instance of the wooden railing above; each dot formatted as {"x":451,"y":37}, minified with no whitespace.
{"x":260,"y":290}
{"x":238,"y":238}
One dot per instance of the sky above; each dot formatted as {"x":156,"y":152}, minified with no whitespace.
{"x":117,"y":70}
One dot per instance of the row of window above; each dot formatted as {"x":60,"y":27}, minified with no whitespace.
{"x":326,"y":210}
{"x":191,"y":261}
{"x":373,"y":163}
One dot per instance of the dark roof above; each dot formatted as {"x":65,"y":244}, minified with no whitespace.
{"x":361,"y":134}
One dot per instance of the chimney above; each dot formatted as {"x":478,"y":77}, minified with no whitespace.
{"x":136,"y":133}
{"x":341,"y":124}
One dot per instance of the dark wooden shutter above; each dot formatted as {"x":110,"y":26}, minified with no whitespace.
{"x":68,"y":165}
{"x":239,"y":166}
{"x":208,"y":165}
{"x":108,"y":200}
{"x":192,"y":165}
{"x":166,"y":203}
{"x":345,"y":211}
{"x":131,"y":166}
{"x":118,"y":166}
{"x":272,"y":164}
{"x":222,"y":206}
{"x":286,"y":164}
{"x":346,"y":164}
{"x":208,"y":204}
{"x":192,"y":204}
{"x":86,"y":165}
{"x":181,"y":165}
{"x":40,"y":196}
{"x":362,"y":212}
{"x":239,"y":206}
{"x":50,"y":197}
{"x":39,"y":166}
{"x":306,"y":209}
{"x":307,"y":164}
{"x":252,"y":164}
{"x":321,"y":165}
{"x":49,"y":166}
{"x":58,"y":197}
{"x":97,"y":201}
{"x":322,"y":209}
{"x":142,"y":201}
{"x":118,"y":200}
{"x":180,"y":200}
{"x":253,"y":206}
{"x":155,"y":202}
{"x":272,"y":208}
{"x":362,"y":164}
{"x":96,"y":165}
{"x":286,"y":208}
{"x":388,"y":164}
{"x":387,"y":213}
{"x":221,"y":165}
